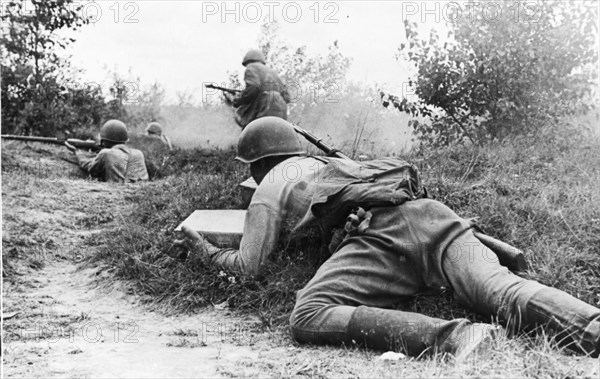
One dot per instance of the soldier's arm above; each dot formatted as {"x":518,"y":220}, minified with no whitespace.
{"x":261,"y":232}
{"x":252,"y":90}
{"x":94,"y":165}
{"x":167,"y":142}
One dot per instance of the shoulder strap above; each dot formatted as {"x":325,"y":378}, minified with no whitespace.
{"x":126,"y":149}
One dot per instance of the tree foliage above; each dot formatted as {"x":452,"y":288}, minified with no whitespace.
{"x":511,"y":72}
{"x":295,"y":66}
{"x":40,"y":93}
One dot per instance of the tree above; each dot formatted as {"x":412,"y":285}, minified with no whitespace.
{"x":303,"y":74}
{"x":40,"y":93}
{"x":497,"y":76}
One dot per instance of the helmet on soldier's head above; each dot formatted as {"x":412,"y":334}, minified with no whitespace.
{"x":253,"y":55}
{"x":267,"y":137}
{"x":154,"y":128}
{"x":114,"y":131}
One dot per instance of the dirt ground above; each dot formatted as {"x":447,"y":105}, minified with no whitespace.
{"x":64,"y":318}
{"x":70,"y":323}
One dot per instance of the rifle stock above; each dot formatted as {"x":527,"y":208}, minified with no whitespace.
{"x":81,"y":144}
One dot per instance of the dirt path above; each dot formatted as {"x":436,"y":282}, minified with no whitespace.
{"x":81,"y":331}
{"x":69,"y":322}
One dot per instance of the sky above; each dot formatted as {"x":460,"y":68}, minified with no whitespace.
{"x":183,"y":44}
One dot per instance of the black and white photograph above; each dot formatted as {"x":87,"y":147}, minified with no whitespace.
{"x":288,"y":189}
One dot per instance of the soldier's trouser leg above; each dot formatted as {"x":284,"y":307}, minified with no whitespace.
{"x":394,"y":258}
{"x":381,"y":329}
{"x":481,"y":284}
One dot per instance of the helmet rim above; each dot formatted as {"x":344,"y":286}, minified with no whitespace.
{"x":268,"y":137}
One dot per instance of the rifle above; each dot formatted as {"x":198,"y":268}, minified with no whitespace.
{"x":228,"y":90}
{"x":78,"y":143}
{"x":318,"y":142}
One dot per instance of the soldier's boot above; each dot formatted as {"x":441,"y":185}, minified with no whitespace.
{"x":415,"y":334}
{"x":576,"y":323}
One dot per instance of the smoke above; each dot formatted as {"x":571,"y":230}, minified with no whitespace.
{"x":206,"y":127}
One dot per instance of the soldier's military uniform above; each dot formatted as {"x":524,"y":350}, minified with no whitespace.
{"x":117,"y":162}
{"x":402,"y":246}
{"x":265,"y":94}
{"x":120,"y":163}
{"x":154,"y":131}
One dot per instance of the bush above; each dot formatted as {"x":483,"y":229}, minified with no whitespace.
{"x":496,"y":77}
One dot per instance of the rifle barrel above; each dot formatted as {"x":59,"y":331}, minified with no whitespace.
{"x":230,"y":90}
{"x":32,"y":139}
{"x":81,"y":144}
{"x":318,"y":142}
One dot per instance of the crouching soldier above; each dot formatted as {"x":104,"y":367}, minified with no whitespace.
{"x":397,"y":244}
{"x":264,"y":95}
{"x":116,"y":162}
{"x":154,"y":130}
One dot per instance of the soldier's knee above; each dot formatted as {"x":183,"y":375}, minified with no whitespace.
{"x":301,"y":314}
{"x":299,"y":324}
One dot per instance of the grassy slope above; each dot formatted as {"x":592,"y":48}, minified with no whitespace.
{"x":541,"y":195}
{"x":521,"y":209}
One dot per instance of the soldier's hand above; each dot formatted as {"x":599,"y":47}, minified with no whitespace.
{"x":228,"y":99}
{"x":193,"y":242}
{"x":191,"y":235}
{"x":70,"y":147}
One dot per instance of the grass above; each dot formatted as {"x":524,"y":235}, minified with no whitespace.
{"x":539,"y":195}
{"x":140,"y":250}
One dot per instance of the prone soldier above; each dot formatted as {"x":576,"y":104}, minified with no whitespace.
{"x":116,"y":162}
{"x":397,"y":244}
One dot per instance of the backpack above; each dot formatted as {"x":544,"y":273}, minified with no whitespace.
{"x":344,"y":185}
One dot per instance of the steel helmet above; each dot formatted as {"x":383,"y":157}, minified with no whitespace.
{"x":253,"y":55}
{"x":267,"y":137}
{"x":154,"y":128}
{"x":114,"y":131}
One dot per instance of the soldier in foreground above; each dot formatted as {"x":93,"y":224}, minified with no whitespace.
{"x":116,"y":162}
{"x":154,"y":130}
{"x":264,"y":95}
{"x":397,"y":244}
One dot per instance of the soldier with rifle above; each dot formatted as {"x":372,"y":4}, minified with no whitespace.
{"x":154,"y":131}
{"x":396,"y":244}
{"x":264,"y":95}
{"x":115,"y":162}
